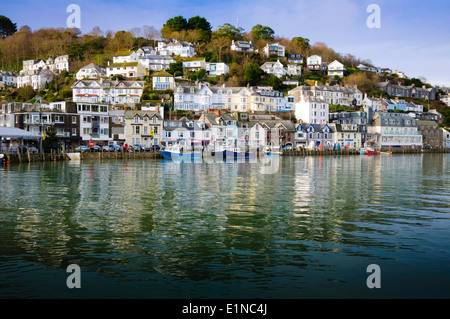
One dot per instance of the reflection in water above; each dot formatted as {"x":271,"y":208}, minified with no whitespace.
{"x":224,"y":229}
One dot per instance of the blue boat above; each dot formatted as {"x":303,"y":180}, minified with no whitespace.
{"x":176,"y":152}
{"x":234,"y":153}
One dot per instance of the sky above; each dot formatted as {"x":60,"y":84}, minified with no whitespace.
{"x":414,"y":36}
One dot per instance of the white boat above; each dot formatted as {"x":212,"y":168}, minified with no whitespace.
{"x":177,"y":151}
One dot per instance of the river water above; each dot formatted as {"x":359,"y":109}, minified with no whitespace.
{"x":157,"y":229}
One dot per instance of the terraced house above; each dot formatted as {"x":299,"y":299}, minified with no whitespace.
{"x":203,"y":98}
{"x":394,"y":130}
{"x":143,"y":128}
{"x":112,"y":92}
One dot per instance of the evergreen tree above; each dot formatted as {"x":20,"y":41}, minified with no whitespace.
{"x":7,"y":27}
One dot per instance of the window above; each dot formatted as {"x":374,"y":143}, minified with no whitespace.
{"x":138,"y":130}
{"x":74,"y":120}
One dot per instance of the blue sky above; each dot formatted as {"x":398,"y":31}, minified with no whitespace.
{"x":414,"y":36}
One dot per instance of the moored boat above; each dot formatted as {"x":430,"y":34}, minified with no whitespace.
{"x":371,"y":151}
{"x":177,"y":152}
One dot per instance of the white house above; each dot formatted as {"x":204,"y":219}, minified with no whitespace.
{"x":312,"y":110}
{"x":294,"y":69}
{"x":218,"y":68}
{"x":315,"y":63}
{"x":241,"y":46}
{"x":111,"y":92}
{"x":366,"y":68}
{"x":156,"y":62}
{"x":446,"y":99}
{"x":194,"y":64}
{"x":336,"y":95}
{"x":202,"y":98}
{"x":336,"y":68}
{"x":275,"y":68}
{"x":126,"y":69}
{"x":183,"y":49}
{"x":36,"y":79}
{"x":61,"y":63}
{"x":145,"y":51}
{"x":125,"y":56}
{"x":91,"y":71}
{"x":274,"y":49}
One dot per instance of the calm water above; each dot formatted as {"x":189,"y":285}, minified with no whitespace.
{"x":158,"y":229}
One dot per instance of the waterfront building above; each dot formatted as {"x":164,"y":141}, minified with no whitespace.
{"x":174,"y":132}
{"x":312,"y":135}
{"x":143,"y":128}
{"x":312,"y":109}
{"x":37,"y":118}
{"x":432,"y":134}
{"x":394,"y":130}
{"x":445,"y":138}
{"x":94,"y":123}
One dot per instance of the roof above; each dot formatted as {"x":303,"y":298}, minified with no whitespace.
{"x":16,"y":133}
{"x":132,"y":114}
{"x":162,"y":74}
{"x":125,"y":64}
{"x":123,"y":53}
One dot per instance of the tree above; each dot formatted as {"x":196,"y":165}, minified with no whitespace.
{"x":229,"y":31}
{"x":252,"y":73}
{"x":26,"y":93}
{"x":7,"y":27}
{"x":51,"y":139}
{"x":260,"y":32}
{"x":198,"y":23}
{"x":301,"y":43}
{"x":220,"y":43}
{"x":176,"y":68}
{"x":177,"y":23}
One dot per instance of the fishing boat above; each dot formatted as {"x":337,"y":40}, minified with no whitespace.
{"x":234,"y":153}
{"x":178,"y":152}
{"x":371,"y":151}
{"x":362,"y":151}
{"x":272,"y":152}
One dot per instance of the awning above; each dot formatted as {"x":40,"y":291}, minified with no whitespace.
{"x":15,"y":133}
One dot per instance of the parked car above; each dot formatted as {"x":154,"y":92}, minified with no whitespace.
{"x":82,"y":148}
{"x":96,"y":148}
{"x":23,"y":149}
{"x":138,"y":148}
{"x":155,"y":148}
{"x":106,"y":148}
